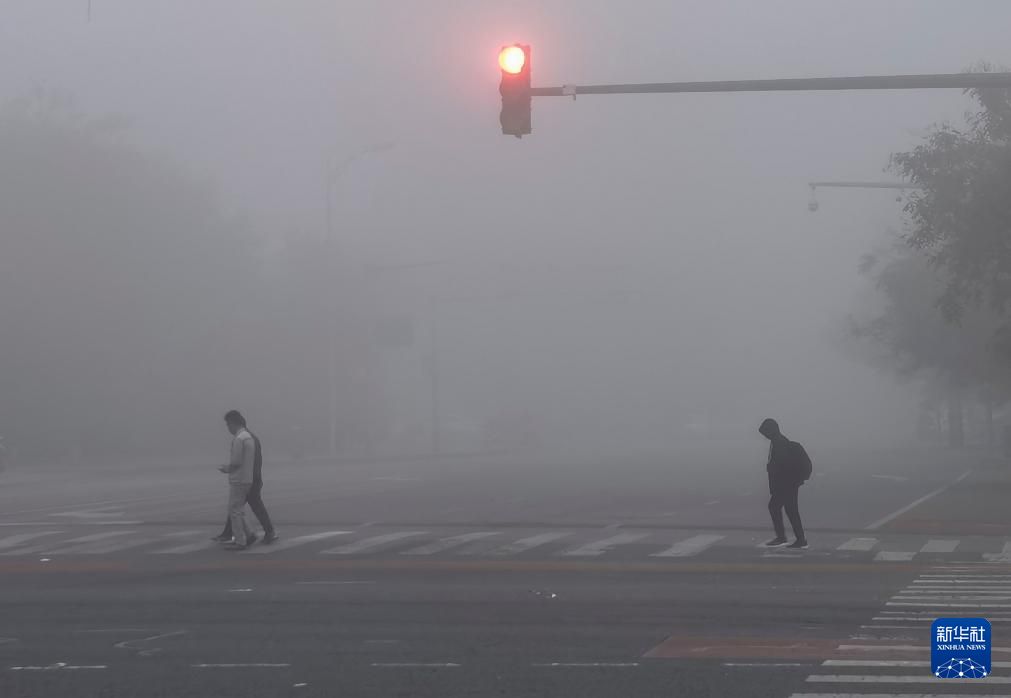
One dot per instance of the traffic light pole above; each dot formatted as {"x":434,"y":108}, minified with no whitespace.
{"x":870,"y":82}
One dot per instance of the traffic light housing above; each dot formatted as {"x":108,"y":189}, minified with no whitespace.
{"x":514,"y":61}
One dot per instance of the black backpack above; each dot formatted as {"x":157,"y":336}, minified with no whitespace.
{"x":801,"y":461}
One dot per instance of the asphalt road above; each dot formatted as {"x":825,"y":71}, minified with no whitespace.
{"x":550,"y":576}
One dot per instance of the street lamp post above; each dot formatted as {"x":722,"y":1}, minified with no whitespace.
{"x":333,"y":173}
{"x":812,"y":203}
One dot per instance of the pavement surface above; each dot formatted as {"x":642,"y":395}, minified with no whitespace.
{"x":502,"y":576}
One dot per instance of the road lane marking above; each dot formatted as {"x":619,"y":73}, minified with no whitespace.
{"x":59,"y":667}
{"x":525,"y":544}
{"x":415,"y":664}
{"x":939,"y":546}
{"x":331,"y":583}
{"x":909,"y":507}
{"x":586,"y":664}
{"x":893,"y":556}
{"x":955,"y":595}
{"x":103,"y":513}
{"x":958,"y":584}
{"x":861,"y":544}
{"x":935,"y":604}
{"x":117,"y":630}
{"x":900,"y":648}
{"x":148,"y":651}
{"x":450,"y":542}
{"x":258,"y":665}
{"x":958,"y":587}
{"x":765,"y":664}
{"x":599,"y":547}
{"x":874,"y":648}
{"x":288,"y":543}
{"x":875,"y":678}
{"x":372,"y":543}
{"x":893,"y":663}
{"x":690,"y":546}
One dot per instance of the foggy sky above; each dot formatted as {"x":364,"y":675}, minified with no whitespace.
{"x":635,"y":258}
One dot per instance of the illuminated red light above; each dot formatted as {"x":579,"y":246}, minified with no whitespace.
{"x":512,"y":59}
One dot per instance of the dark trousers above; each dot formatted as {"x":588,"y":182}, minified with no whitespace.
{"x":785,"y":497}
{"x":255,"y":502}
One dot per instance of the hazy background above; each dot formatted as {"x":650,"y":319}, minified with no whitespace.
{"x":639,"y":270}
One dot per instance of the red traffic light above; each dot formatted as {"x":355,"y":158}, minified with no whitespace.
{"x":515,"y":89}
{"x":512,"y":59}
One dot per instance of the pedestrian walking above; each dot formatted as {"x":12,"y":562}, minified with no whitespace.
{"x":255,"y":496}
{"x":240,"y":470}
{"x":789,"y":467}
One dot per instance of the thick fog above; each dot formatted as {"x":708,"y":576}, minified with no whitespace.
{"x":640,"y":272}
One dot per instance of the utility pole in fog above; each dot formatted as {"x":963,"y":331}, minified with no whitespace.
{"x":334,"y":172}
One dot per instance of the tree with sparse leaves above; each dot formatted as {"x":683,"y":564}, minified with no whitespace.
{"x":960,"y":213}
{"x":915,"y":340}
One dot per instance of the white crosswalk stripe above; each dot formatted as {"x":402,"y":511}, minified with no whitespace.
{"x":51,"y":548}
{"x":909,"y":662}
{"x":450,"y":542}
{"x":892,"y":695}
{"x":529,"y":543}
{"x":186,"y":548}
{"x":859,"y":544}
{"x":371,"y":544}
{"x":968,"y":578}
{"x":1003,"y":556}
{"x":892,"y":663}
{"x":892,"y":679}
{"x":287,"y":544}
{"x":22,"y":538}
{"x":690,"y":547}
{"x":104,"y":546}
{"x":893,"y":556}
{"x":599,"y":547}
{"x":115,"y":544}
{"x":939,"y":546}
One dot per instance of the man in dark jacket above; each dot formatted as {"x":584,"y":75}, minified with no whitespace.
{"x":254,"y":499}
{"x":787,"y":472}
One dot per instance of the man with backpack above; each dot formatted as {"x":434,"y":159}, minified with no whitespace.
{"x":789,"y":467}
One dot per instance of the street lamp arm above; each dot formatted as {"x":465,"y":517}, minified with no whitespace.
{"x":865,"y":185}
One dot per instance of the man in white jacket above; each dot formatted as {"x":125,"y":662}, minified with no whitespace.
{"x":240,"y":470}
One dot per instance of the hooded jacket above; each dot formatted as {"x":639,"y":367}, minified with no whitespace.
{"x":783,"y":469}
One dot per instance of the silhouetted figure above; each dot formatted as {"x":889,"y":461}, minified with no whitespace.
{"x":789,"y":467}
{"x":253,"y":496}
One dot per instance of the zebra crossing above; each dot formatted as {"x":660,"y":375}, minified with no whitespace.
{"x":574,"y":543}
{"x":890,"y":656}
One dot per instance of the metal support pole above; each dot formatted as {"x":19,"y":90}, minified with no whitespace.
{"x":332,"y":313}
{"x":436,"y":387}
{"x":865,"y":185}
{"x":868,"y":82}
